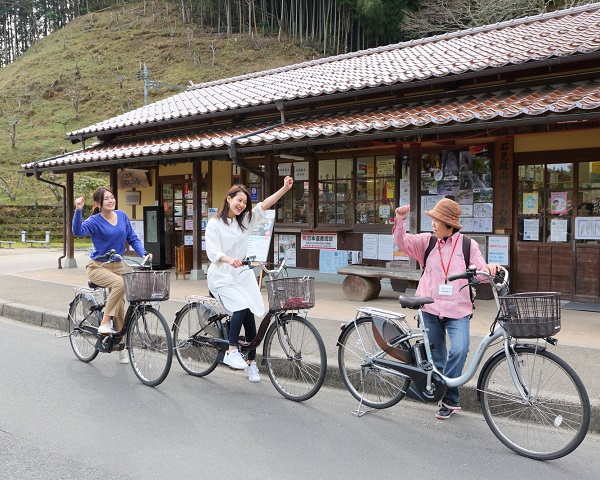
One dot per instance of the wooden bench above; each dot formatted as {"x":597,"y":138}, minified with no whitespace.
{"x":9,"y":243}
{"x":363,"y":283}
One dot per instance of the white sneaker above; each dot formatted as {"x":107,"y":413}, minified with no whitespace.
{"x":235,"y":360}
{"x":123,"y":356}
{"x":106,"y":329}
{"x":252,"y":372}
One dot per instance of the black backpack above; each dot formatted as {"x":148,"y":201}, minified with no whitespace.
{"x":466,"y":254}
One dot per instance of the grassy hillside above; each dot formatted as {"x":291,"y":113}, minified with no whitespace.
{"x":95,"y":64}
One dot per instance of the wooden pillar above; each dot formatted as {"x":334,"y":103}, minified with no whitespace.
{"x":70,"y":261}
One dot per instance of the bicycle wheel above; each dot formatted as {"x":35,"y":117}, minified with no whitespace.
{"x":295,"y":357}
{"x":150,"y":345}
{"x":555,"y":418}
{"x":368,"y":383}
{"x":195,"y":356}
{"x":82,"y":325}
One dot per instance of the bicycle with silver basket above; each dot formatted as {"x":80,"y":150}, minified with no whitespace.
{"x":148,"y":340}
{"x":531,"y":399}
{"x":293,"y":351}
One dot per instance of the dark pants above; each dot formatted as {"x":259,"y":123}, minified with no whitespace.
{"x":245,"y":318}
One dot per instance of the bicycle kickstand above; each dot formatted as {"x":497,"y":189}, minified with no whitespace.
{"x":359,"y":412}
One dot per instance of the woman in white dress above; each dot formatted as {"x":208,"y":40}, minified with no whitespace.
{"x":236,"y":288}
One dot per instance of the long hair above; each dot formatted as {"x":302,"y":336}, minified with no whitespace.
{"x":98,"y":197}
{"x":233,"y":191}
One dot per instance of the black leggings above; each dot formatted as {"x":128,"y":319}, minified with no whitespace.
{"x":245,"y":318}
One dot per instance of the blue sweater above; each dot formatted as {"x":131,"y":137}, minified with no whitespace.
{"x":105,"y":236}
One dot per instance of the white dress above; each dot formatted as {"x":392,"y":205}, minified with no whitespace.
{"x":236,"y":288}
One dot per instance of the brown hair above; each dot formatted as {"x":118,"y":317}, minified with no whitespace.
{"x":98,"y":197}
{"x":233,"y":191}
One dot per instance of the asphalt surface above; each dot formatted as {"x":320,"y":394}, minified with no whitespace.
{"x":34,"y":290}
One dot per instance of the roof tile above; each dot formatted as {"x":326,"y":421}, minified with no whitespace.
{"x":558,"y":34}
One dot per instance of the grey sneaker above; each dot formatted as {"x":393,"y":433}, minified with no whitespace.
{"x":235,"y":360}
{"x":252,"y":372}
{"x":106,"y":329}
{"x":123,"y":357}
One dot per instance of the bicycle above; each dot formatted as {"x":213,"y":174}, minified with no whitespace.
{"x":531,"y":399}
{"x":293,"y":350}
{"x":148,"y":338}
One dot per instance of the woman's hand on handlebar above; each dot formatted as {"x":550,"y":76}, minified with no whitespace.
{"x":234,"y":262}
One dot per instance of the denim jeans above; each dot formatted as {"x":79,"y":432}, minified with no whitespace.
{"x":450,"y":363}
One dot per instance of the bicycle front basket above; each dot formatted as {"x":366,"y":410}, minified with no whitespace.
{"x":147,"y":286}
{"x":531,"y":315}
{"x":291,"y":293}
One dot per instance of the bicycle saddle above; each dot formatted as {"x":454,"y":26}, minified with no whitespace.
{"x":93,"y":285}
{"x":414,"y":302}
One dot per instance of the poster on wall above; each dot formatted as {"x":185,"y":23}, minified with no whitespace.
{"x":285,"y":249}
{"x":370,"y":243}
{"x":558,"y":230}
{"x":498,"y":250}
{"x":531,"y":229}
{"x":587,"y":228}
{"x":385,"y":247}
{"x":138,"y":228}
{"x":320,"y":241}
{"x":530,"y":203}
{"x":558,"y":203}
{"x":259,"y":241}
{"x":427,"y":203}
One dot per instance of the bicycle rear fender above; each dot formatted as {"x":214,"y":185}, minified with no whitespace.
{"x":517,"y":348}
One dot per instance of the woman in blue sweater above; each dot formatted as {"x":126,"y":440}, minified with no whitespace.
{"x":109,"y":229}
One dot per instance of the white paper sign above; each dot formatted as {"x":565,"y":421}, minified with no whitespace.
{"x":498,"y":250}
{"x":370,"y":243}
{"x":531,"y":229}
{"x":301,"y":171}
{"x":558,"y":230}
{"x":385,"y":247}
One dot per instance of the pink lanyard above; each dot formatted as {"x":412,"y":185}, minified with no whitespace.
{"x":447,"y":269}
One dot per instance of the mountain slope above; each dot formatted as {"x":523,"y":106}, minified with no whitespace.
{"x":91,"y":70}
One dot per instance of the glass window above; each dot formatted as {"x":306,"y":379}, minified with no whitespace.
{"x":293,"y":207}
{"x":546,"y":196}
{"x":335,"y":191}
{"x":375,"y":189}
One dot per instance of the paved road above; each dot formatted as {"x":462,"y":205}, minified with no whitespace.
{"x":60,"y":420}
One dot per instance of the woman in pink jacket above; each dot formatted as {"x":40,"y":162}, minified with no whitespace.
{"x":452,"y":310}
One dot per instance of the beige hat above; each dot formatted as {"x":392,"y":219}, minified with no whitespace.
{"x":447,"y":211}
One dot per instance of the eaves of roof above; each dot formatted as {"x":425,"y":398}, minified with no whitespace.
{"x":544,"y":104}
{"x":555,"y":37}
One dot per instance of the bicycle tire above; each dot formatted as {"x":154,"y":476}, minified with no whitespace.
{"x":297,"y":362}
{"x":195,"y":357}
{"x":150,"y":345}
{"x":367,"y":382}
{"x":83,"y":341}
{"x":558,"y":418}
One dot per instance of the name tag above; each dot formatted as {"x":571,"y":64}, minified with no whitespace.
{"x":445,"y":289}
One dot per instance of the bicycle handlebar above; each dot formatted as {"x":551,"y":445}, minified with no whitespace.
{"x":145,"y":264}
{"x":472,"y":272}
{"x":249,"y":260}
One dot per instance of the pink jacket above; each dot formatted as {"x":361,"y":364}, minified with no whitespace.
{"x":450,"y":255}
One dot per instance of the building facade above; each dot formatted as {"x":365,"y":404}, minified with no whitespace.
{"x":505,"y":119}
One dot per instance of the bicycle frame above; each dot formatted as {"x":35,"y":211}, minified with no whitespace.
{"x":429,"y":383}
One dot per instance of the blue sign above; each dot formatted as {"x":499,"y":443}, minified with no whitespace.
{"x":254,"y":194}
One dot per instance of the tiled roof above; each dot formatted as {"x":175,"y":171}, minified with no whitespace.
{"x":555,"y":35}
{"x":485,"y":107}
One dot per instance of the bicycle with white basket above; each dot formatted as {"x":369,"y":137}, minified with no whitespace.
{"x":293,"y":351}
{"x":531,"y":399}
{"x":148,"y":339}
